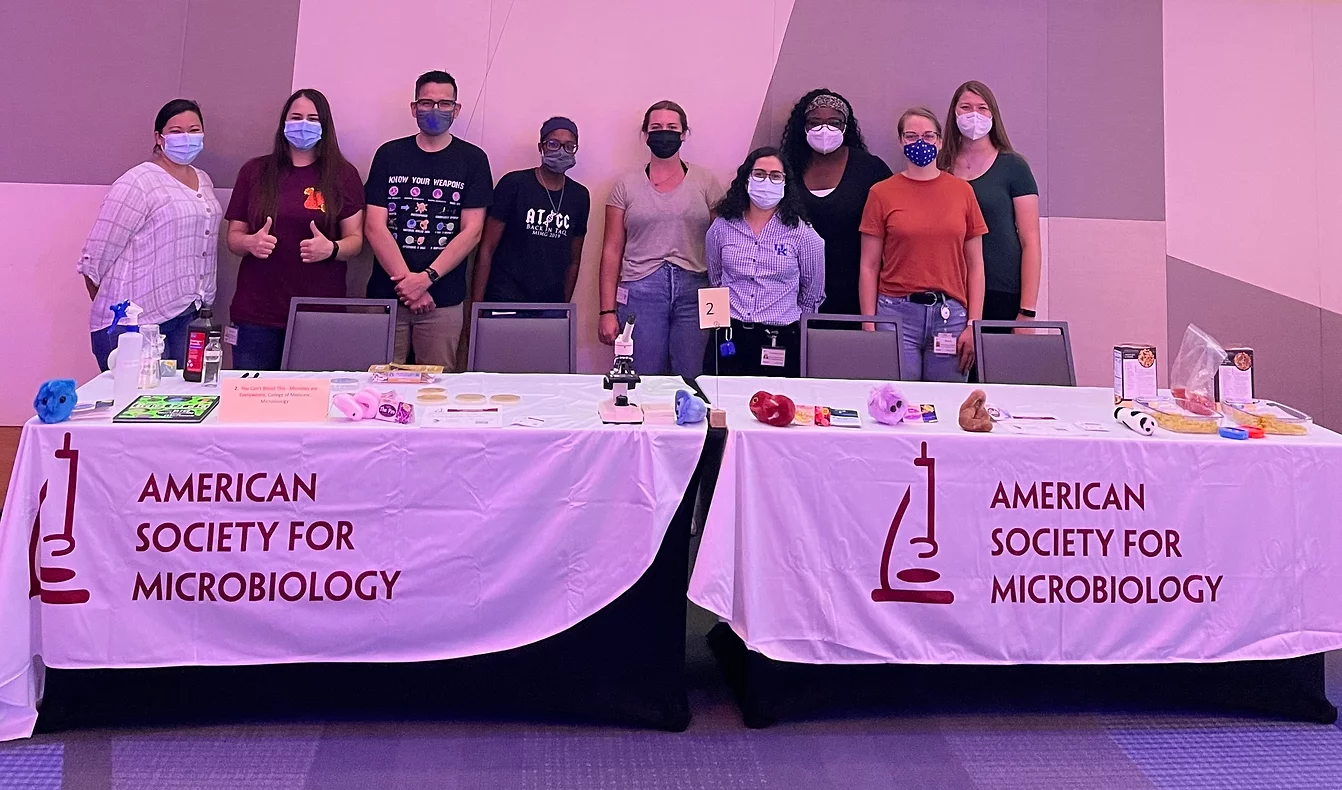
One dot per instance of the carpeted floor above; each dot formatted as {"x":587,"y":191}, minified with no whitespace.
{"x":999,"y":751}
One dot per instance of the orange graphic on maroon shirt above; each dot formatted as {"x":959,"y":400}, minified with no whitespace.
{"x":314,"y":200}
{"x":40,"y":576}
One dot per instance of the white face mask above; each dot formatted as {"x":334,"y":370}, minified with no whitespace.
{"x":824,"y":139}
{"x":765,"y":194}
{"x":974,"y":125}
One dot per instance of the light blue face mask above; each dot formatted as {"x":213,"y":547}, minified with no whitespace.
{"x":183,"y":148}
{"x":302,"y":134}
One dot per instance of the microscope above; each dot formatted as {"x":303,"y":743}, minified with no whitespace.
{"x":617,"y":409}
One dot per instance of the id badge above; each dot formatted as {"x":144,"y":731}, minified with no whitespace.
{"x":943,"y":344}
{"x":621,"y":295}
{"x":231,"y":335}
{"x":773,"y":357}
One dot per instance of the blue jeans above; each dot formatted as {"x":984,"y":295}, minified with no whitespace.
{"x":667,"y":337}
{"x":258,"y":347}
{"x":174,"y":339}
{"x":919,"y":325}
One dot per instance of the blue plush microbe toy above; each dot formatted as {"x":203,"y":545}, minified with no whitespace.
{"x":689,"y":408}
{"x":55,"y":400}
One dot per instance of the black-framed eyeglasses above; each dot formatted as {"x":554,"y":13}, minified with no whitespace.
{"x":429,"y":105}
{"x":554,"y":146}
{"x":927,"y":137}
{"x":838,"y":126}
{"x":774,"y":176}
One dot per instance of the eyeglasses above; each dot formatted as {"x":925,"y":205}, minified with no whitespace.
{"x":838,"y":126}
{"x":554,"y":146}
{"x":927,"y":137}
{"x":774,"y":176}
{"x":429,"y":105}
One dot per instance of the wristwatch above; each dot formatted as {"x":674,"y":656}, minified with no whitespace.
{"x":433,"y":276}
{"x":1027,"y":313}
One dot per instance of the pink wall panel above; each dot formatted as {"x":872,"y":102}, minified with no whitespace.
{"x":1107,"y":280}
{"x":1240,"y":150}
{"x":1328,"y":165}
{"x":42,"y":299}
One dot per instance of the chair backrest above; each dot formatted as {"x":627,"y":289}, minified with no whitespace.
{"x":848,"y":352}
{"x":339,"y":334}
{"x":515,"y":337}
{"x":1043,"y":356}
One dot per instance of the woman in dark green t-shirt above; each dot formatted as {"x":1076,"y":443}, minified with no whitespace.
{"x":977,"y":149}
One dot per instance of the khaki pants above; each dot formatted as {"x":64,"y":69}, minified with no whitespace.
{"x":434,"y":335}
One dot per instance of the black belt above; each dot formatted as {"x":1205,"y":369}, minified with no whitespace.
{"x":926,"y":297}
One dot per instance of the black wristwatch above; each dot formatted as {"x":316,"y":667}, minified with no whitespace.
{"x":335,"y":250}
{"x":433,"y":275}
{"x":1027,"y":313}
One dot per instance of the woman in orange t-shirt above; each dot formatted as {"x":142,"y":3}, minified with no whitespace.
{"x":922,"y":257}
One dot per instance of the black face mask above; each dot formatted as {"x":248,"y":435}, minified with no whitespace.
{"x":664,"y":143}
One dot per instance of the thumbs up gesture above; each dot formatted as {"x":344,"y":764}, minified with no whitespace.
{"x":316,"y":249}
{"x":260,"y":244}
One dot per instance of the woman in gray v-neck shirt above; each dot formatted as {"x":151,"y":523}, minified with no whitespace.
{"x":652,"y":261}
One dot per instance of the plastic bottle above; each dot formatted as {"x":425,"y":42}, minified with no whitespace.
{"x":198,"y":335}
{"x":129,"y":353}
{"x":150,"y":376}
{"x":213,"y":360}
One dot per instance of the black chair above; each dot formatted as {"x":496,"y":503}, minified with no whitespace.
{"x":845,"y":354}
{"x":339,"y":334}
{"x":511,"y":337}
{"x":1039,"y":357}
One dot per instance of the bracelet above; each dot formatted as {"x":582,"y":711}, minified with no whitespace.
{"x":335,"y":250}
{"x":608,"y":312}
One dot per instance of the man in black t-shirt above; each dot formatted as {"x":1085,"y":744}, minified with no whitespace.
{"x":534,"y":235}
{"x":426,"y":197}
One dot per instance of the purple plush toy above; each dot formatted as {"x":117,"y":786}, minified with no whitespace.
{"x":886,"y":404}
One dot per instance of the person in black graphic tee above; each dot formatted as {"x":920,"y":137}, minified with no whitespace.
{"x":534,"y":234}
{"x":426,"y":197}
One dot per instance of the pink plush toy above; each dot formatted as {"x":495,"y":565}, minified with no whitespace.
{"x":886,"y":404}
{"x":361,"y":405}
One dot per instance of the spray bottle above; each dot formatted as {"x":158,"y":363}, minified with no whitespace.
{"x":129,"y":350}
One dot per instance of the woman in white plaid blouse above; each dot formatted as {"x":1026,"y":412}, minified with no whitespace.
{"x":156,"y":238}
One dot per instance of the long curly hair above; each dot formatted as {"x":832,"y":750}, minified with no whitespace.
{"x":733,"y":205}
{"x":796,"y":151}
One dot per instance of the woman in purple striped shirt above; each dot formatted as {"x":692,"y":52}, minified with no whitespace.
{"x":762,"y":249}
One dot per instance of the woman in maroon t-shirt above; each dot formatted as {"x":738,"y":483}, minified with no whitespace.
{"x":295,"y":217}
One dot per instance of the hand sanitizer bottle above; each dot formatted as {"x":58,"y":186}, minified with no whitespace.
{"x":129,"y":350}
{"x":214,"y":359}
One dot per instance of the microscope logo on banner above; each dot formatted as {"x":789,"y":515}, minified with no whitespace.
{"x":48,"y":582}
{"x":914,"y":581}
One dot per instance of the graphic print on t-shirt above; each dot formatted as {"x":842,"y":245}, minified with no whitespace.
{"x":313,"y":200}
{"x":428,"y":217}
{"x":546,"y":223}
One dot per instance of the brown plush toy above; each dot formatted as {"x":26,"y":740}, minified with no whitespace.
{"x":973,"y":416}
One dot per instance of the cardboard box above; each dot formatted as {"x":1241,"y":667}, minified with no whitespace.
{"x":1134,"y":372}
{"x":1234,"y":379}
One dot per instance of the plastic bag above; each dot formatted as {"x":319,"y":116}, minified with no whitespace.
{"x":1194,"y":371}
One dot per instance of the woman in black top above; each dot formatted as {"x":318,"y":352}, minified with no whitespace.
{"x":822,"y":141}
{"x":976,"y":149}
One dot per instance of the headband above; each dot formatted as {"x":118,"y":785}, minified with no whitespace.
{"x":558,"y":122}
{"x":831,"y":101}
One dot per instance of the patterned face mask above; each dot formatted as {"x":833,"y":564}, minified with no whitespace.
{"x":921,"y":153}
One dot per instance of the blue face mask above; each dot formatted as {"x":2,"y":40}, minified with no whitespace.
{"x":921,"y":153}
{"x":434,"y":122}
{"x":183,"y":148}
{"x":302,"y":134}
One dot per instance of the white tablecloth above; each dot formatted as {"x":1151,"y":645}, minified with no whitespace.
{"x":1047,"y":547}
{"x":237,"y":544}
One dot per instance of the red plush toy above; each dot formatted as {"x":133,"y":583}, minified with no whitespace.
{"x":776,"y":410}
